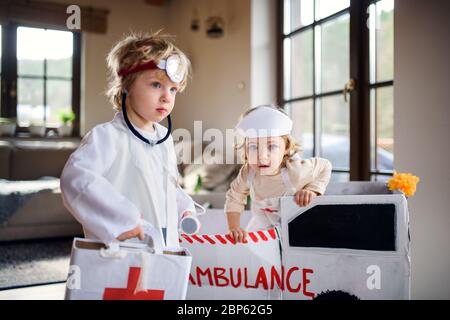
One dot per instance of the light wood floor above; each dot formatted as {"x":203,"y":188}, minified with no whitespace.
{"x":44,"y":292}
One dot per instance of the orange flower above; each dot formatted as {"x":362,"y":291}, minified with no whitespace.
{"x":405,"y":182}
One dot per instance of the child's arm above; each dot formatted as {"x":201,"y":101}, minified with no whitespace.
{"x":321,"y":174}
{"x":91,"y":198}
{"x":319,"y":178}
{"x":304,"y":197}
{"x":236,"y":198}
{"x":234,"y":226}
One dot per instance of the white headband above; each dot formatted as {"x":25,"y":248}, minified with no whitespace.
{"x":263,"y":122}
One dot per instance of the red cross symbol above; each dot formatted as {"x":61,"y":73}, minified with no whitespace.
{"x":128,"y":292}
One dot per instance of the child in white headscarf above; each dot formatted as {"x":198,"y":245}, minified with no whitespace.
{"x":273,"y":168}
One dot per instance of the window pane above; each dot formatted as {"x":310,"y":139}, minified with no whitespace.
{"x":59,"y":62}
{"x":334,"y":54}
{"x":34,"y":45}
{"x":301,"y":64}
{"x":372,"y":43}
{"x":297,"y":13}
{"x":335,"y":135}
{"x":385,"y":40}
{"x":339,"y":176}
{"x":1,"y":65}
{"x":380,"y":177}
{"x":30,"y":101}
{"x":31,"y":48}
{"x":59,"y":98}
{"x":384,"y":128}
{"x":325,"y":8}
{"x":302,"y":116}
{"x":0,"y":51}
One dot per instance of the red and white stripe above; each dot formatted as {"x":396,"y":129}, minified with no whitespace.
{"x":218,"y":239}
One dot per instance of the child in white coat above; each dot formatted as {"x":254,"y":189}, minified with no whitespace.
{"x":273,"y":168}
{"x":124,"y":174}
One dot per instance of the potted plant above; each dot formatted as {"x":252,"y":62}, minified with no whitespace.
{"x":67,"y":118}
{"x":37,"y":128}
{"x":7,"y":126}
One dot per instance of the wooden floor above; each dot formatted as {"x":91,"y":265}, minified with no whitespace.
{"x":44,"y":292}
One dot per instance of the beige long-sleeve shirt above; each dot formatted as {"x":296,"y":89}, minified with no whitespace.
{"x":311,"y":174}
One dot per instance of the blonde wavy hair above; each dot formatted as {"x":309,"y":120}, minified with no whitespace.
{"x":291,"y":146}
{"x":135,"y":49}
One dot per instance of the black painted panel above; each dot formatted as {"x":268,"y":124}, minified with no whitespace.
{"x":351,"y":226}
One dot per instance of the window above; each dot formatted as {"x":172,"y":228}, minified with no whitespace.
{"x":1,"y":78}
{"x":381,"y":25}
{"x":42,"y":77}
{"x":323,"y":45}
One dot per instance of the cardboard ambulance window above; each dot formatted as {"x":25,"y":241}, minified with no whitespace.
{"x":351,"y":226}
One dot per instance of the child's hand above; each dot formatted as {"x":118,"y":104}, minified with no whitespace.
{"x":304,"y":197}
{"x":238,"y":234}
{"x":136,"y":232}
{"x":186,"y":214}
{"x":234,"y":226}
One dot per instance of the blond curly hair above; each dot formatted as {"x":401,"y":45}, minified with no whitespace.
{"x":135,"y":49}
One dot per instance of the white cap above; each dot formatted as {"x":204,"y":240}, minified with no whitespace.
{"x":265,"y":121}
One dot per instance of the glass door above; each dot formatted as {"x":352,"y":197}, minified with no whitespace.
{"x":337,"y":83}
{"x":316,"y":49}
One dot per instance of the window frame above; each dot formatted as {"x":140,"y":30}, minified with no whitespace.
{"x":359,"y":103}
{"x":10,"y":75}
{"x":374,"y":86}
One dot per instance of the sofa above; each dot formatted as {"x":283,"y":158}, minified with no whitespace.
{"x":29,"y":172}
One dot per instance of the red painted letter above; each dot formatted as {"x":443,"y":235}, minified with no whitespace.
{"x":288,"y":281}
{"x":274,"y":276}
{"x":218,"y":275}
{"x":261,"y":278}
{"x":239,"y":276}
{"x":201,"y":273}
{"x":305,"y":282}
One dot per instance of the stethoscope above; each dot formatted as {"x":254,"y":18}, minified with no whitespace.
{"x":136,"y":133}
{"x":189,"y":224}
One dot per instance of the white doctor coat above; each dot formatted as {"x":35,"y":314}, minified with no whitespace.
{"x":108,"y":184}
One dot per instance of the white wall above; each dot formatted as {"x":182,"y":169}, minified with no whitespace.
{"x":422,"y":136}
{"x":263,"y":52}
{"x":219,"y":65}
